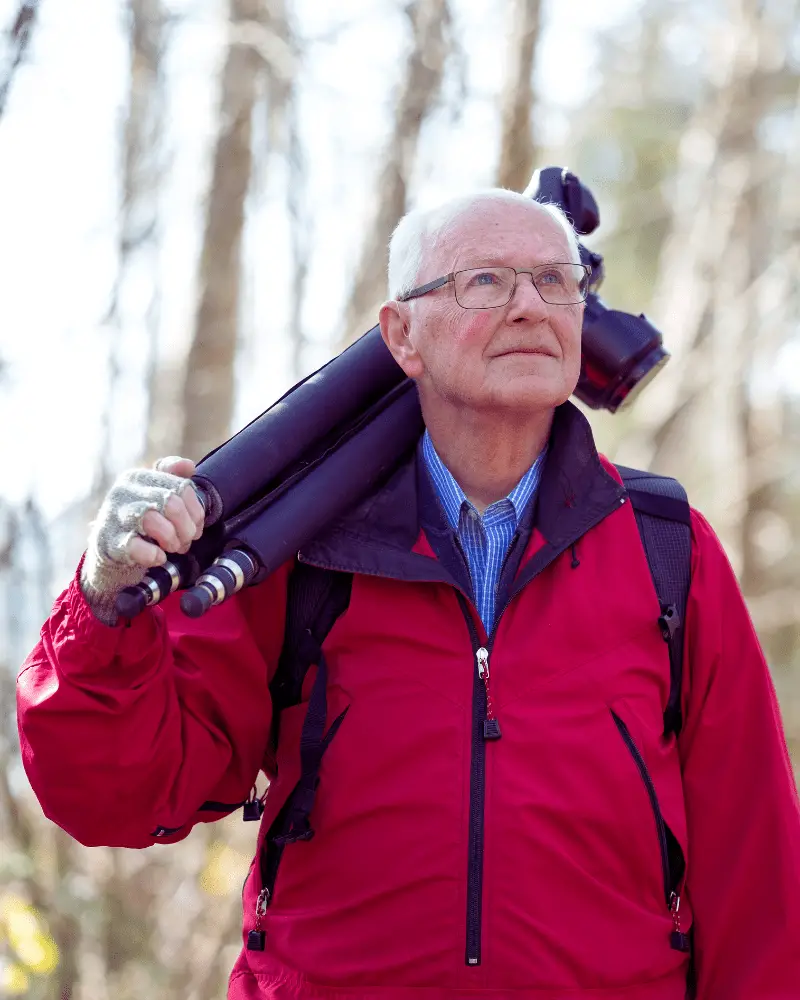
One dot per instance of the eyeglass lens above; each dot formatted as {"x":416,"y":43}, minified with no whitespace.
{"x":486,"y":287}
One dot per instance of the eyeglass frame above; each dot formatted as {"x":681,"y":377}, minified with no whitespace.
{"x":431,"y":286}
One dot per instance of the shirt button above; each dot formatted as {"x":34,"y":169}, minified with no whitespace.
{"x":474,"y":515}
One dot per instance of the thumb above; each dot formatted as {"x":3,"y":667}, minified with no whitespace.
{"x":176,"y":466}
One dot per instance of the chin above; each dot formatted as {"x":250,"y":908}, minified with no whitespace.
{"x":526,"y":394}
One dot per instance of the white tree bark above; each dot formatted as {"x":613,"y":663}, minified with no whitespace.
{"x":517,"y":141}
{"x":419,"y":93}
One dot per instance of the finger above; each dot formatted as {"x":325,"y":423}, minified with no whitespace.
{"x":195,"y":509}
{"x":144,"y":553}
{"x":176,"y":466}
{"x":161,"y":530}
{"x":176,"y":513}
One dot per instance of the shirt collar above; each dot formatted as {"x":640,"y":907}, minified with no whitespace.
{"x":453,"y":497}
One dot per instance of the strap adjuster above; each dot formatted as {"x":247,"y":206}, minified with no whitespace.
{"x":669,"y":621}
{"x":293,"y":836}
{"x":298,"y":826}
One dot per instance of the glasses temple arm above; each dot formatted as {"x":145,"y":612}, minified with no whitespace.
{"x":424,"y":289}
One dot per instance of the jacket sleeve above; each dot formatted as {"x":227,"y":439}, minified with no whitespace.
{"x":126,"y":732}
{"x":743,"y":872}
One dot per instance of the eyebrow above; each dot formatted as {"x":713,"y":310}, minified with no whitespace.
{"x":499,"y":260}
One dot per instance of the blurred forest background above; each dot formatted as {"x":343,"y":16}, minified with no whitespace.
{"x":195,"y":202}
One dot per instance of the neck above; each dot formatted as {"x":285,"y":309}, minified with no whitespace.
{"x":487,"y":456}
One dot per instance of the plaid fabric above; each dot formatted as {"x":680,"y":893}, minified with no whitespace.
{"x":485,"y":539}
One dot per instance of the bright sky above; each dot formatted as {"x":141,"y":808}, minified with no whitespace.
{"x":59,"y":150}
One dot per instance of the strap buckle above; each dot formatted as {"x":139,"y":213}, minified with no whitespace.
{"x":669,"y":621}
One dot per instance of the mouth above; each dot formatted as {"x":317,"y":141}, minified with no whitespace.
{"x":534,"y":351}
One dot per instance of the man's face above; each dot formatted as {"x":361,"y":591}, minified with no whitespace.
{"x":523,"y":356}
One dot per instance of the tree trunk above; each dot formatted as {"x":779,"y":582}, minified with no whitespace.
{"x":726,"y":304}
{"x":142,"y":159}
{"x":420,"y":90}
{"x":517,"y":145}
{"x":768,"y":568}
{"x":208,"y":388}
{"x":704,"y":279}
{"x":19,"y":38}
{"x":284,"y":137}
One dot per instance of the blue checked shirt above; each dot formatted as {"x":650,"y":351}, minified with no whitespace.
{"x":485,"y":539}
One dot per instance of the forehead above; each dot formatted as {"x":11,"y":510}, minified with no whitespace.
{"x":499,"y":232}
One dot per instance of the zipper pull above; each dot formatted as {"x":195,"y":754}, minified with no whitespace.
{"x":256,"y":939}
{"x":491,"y":727}
{"x":678,"y":940}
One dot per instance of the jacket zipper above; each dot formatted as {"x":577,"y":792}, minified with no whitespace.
{"x":476,"y":800}
{"x":679,"y":941}
{"x":485,"y":728}
{"x":651,"y":792}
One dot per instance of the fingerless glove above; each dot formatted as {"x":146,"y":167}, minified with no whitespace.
{"x":108,"y":568}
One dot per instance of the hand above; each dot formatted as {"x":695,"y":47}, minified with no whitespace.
{"x":146,"y":514}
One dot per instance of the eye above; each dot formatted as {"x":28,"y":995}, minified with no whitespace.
{"x":484,"y":278}
{"x":552,"y":276}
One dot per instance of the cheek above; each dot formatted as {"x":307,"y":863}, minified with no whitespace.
{"x":569,"y":334}
{"x":472,"y":331}
{"x":455,"y":341}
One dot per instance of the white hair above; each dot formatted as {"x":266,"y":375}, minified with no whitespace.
{"x":422,"y":230}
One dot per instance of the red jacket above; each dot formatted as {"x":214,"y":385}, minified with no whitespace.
{"x":538,"y":865}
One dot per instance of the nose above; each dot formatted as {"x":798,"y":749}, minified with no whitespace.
{"x":526,"y":303}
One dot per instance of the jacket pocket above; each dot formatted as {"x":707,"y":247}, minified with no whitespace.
{"x":673,"y":862}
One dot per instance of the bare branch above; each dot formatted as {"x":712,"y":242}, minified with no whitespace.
{"x":719,"y":168}
{"x":421,"y":87}
{"x":300,"y":221}
{"x":208,"y":391}
{"x":282,"y":54}
{"x":139,"y":218}
{"x":517,"y":146}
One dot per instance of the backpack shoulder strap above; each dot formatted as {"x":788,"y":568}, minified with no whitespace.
{"x":316,"y":598}
{"x":664,"y":521}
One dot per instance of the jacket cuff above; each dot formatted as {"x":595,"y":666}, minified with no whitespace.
{"x":95,"y":642}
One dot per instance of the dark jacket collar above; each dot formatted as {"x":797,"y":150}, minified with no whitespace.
{"x":379,"y":535}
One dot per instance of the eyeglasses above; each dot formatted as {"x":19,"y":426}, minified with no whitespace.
{"x":492,"y":287}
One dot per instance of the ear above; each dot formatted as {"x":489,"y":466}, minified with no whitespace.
{"x":395,"y":321}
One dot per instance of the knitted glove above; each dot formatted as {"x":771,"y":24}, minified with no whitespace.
{"x":108,"y":568}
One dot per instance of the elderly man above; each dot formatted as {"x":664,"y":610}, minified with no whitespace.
{"x":499,"y":813}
